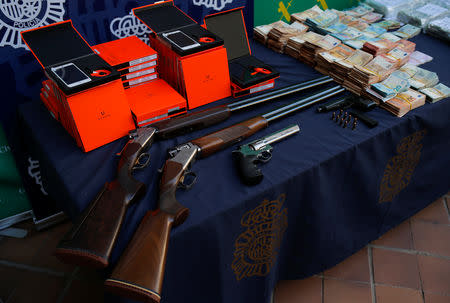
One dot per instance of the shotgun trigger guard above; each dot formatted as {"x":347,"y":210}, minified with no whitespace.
{"x":265,"y":156}
{"x":142,"y":161}
{"x":187,"y":186}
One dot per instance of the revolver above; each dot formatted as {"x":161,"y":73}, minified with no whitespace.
{"x":259,"y":151}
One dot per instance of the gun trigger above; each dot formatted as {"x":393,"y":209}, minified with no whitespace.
{"x":265,"y":156}
{"x":187,"y":186}
{"x":142,"y":161}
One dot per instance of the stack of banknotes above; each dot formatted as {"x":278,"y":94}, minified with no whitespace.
{"x":279,"y":35}
{"x":407,"y":31}
{"x":421,"y":14}
{"x":404,"y":102}
{"x":440,"y":28}
{"x":436,"y":93}
{"x":367,"y":56}
{"x":260,"y":33}
{"x":418,"y":58}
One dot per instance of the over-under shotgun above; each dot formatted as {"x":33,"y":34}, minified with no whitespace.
{"x":92,"y":237}
{"x":139,"y":273}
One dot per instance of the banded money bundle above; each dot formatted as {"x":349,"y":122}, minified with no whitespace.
{"x":360,"y":10}
{"x":371,"y":17}
{"x":260,"y":33}
{"x":399,"y":55}
{"x":407,"y":31}
{"x":379,"y":47}
{"x":423,"y":78}
{"x":436,"y":93}
{"x":404,"y":102}
{"x":309,"y":13}
{"x":418,"y":58}
{"x":396,"y":83}
{"x":326,"y":60}
{"x":294,"y":45}
{"x":279,"y":35}
{"x":389,"y":24}
{"x":343,"y":67}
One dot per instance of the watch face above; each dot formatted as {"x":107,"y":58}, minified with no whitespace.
{"x":181,"y":40}
{"x":70,"y":74}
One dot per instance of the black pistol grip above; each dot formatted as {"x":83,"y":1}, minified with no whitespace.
{"x":248,"y":171}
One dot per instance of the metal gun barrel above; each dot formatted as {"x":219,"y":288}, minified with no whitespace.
{"x":287,"y":109}
{"x":238,"y":105}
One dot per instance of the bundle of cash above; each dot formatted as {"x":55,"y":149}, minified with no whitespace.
{"x":420,"y":15}
{"x":312,"y":47}
{"x":406,"y":45}
{"x":283,"y":33}
{"x":376,"y":48}
{"x":324,"y":19}
{"x":359,"y":10}
{"x":439,"y":28}
{"x":423,"y":78}
{"x":309,"y":13}
{"x":399,"y":55}
{"x":411,"y":70}
{"x":389,"y":24}
{"x":407,"y":31}
{"x":348,"y":34}
{"x":419,"y":58}
{"x":371,"y":17}
{"x":374,"y":31}
{"x":358,"y":58}
{"x":325,"y":60}
{"x":294,"y":46}
{"x":358,"y":43}
{"x":332,"y":29}
{"x":359,"y":24}
{"x":436,"y":93}
{"x":375,"y":71}
{"x":404,"y":102}
{"x":347,"y":19}
{"x":397,"y":82}
{"x":389,"y":37}
{"x":390,"y":8}
{"x":260,"y":33}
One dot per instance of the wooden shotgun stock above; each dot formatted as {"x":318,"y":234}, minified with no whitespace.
{"x":92,"y":237}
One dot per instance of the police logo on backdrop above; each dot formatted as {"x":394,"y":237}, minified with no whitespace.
{"x":214,"y":4}
{"x":129,"y":25}
{"x":20,"y":15}
{"x":256,"y":249}
{"x":400,"y":168}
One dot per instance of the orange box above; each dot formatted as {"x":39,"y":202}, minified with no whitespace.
{"x":200,"y":73}
{"x":95,"y":112}
{"x":154,"y":101}
{"x":248,"y":74}
{"x":125,"y":52}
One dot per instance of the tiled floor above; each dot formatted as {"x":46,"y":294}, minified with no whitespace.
{"x":409,"y":264}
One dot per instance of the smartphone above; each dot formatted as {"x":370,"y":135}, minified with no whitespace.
{"x":70,"y":74}
{"x":181,"y":40}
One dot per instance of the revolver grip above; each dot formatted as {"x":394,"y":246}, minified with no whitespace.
{"x":248,"y":171}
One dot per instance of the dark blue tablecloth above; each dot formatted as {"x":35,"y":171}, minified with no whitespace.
{"x":324,"y":195}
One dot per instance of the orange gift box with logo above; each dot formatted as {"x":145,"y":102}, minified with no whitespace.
{"x":191,"y":59}
{"x":92,"y":102}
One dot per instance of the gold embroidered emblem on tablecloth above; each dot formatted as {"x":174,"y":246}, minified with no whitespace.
{"x":400,"y":168}
{"x":256,"y":249}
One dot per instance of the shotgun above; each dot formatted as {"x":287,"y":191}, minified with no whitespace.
{"x":90,"y":241}
{"x":140,"y":270}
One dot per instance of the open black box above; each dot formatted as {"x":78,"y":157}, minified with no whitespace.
{"x":176,"y":29}
{"x":60,"y":44}
{"x":245,"y":70}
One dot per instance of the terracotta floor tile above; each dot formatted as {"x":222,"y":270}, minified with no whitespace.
{"x":22,"y":250}
{"x":44,"y":256}
{"x":388,"y":294}
{"x":435,"y":274}
{"x":34,"y":287}
{"x":81,"y":291}
{"x":434,"y":298}
{"x":395,"y":268}
{"x":435,"y":213}
{"x":338,"y":291}
{"x":398,"y":237}
{"x":433,"y":238}
{"x":293,"y":291}
{"x":355,"y":267}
